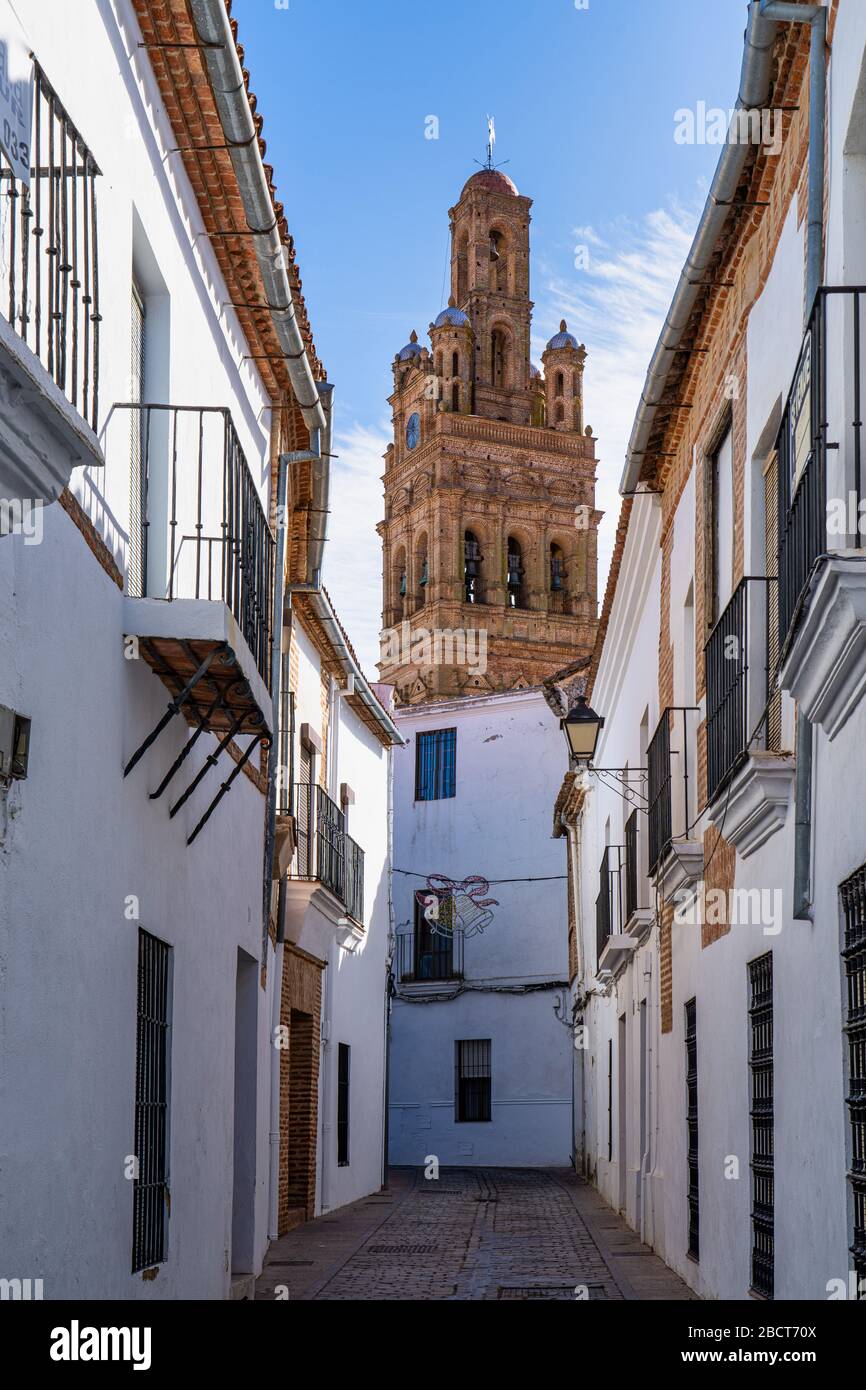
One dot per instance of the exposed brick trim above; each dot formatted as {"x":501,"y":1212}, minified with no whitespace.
{"x":96,"y":544}
{"x":610,"y":590}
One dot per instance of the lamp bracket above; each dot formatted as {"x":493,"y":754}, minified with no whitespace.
{"x":629,"y":782}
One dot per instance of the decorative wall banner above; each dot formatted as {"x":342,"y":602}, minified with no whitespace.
{"x":456,"y":905}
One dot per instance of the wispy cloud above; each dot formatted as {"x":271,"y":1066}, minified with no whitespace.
{"x":616,"y":305}
{"x":353,"y":564}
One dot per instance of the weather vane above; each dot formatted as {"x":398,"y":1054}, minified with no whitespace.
{"x":491,"y":142}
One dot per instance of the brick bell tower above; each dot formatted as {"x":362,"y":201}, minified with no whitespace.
{"x":490,"y":532}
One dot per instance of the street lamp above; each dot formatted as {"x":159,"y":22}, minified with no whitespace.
{"x":581,"y":727}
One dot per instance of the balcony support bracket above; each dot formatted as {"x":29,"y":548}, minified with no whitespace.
{"x":174,"y":708}
{"x":227,"y":784}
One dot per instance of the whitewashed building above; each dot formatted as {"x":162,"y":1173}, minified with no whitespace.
{"x":719,"y":866}
{"x":163,"y":418}
{"x":480,"y":1058}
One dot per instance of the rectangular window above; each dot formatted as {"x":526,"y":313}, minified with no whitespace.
{"x":853,"y":895}
{"x":150,"y":1184}
{"x":472,"y":1066}
{"x":761,"y":1111}
{"x":137,"y":460}
{"x":434,"y":941}
{"x":343,"y":1056}
{"x":719,"y":530}
{"x":692,"y":1125}
{"x":436,"y":765}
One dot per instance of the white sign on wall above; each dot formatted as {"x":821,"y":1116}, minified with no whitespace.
{"x":16,"y":93}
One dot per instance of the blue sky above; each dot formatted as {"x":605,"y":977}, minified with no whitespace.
{"x":584,"y":102}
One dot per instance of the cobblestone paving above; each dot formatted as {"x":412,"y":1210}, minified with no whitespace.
{"x":475,"y":1233}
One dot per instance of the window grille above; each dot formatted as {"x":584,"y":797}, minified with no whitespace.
{"x":761,"y":1110}
{"x":150,"y":1185}
{"x":473,"y":1080}
{"x":853,"y":896}
{"x":692,"y":1126}
{"x":343,"y":1055}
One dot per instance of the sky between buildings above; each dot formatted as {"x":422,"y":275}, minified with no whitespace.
{"x":584,"y":95}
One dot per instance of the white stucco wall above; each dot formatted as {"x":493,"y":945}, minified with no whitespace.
{"x":77,"y":839}
{"x":811,"y":1127}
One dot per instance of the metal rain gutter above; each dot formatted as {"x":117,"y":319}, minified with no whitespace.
{"x":226,"y":78}
{"x":754,"y":89}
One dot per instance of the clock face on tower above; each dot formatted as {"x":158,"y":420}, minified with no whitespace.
{"x":413,"y":430}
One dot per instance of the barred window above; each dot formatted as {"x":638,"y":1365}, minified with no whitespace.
{"x":343,"y":1072}
{"x":761,"y":1111}
{"x":853,"y":895}
{"x":472,"y":1080}
{"x":436,"y":765}
{"x":694,"y":1248}
{"x":150,"y":1184}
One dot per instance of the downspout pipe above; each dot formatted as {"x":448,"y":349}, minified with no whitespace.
{"x":754,"y":90}
{"x":227,"y":82}
{"x":816,"y":15}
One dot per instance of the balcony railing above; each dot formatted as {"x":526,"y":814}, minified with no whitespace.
{"x":609,"y":903}
{"x":738,"y":671}
{"x":198,"y":529}
{"x":425,"y":954}
{"x":826,"y":397}
{"x":632,"y":867}
{"x":670,"y":779}
{"x":49,"y":251}
{"x":325,"y":852}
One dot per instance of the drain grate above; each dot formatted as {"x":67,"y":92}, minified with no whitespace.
{"x":401,"y":1249}
{"x":287,"y":1264}
{"x":562,"y":1293}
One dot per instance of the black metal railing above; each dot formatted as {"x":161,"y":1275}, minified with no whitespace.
{"x":202,"y":532}
{"x":632,"y":867}
{"x":325,"y":852}
{"x":427,"y":953}
{"x":49,"y":247}
{"x":609,"y":903}
{"x":669,"y":792}
{"x":803,"y":446}
{"x":737,"y":661}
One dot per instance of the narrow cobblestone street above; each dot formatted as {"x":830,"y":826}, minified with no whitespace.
{"x":485,"y":1233}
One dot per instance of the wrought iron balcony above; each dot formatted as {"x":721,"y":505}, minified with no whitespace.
{"x":198,"y":529}
{"x":326,"y":853}
{"x":825,"y":399}
{"x":49,"y":250}
{"x":739,"y":666}
{"x":609,"y":919}
{"x":670,"y":794}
